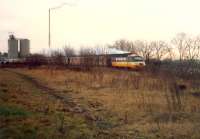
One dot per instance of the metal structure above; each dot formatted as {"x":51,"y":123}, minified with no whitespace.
{"x":12,"y":47}
{"x":24,"y":48}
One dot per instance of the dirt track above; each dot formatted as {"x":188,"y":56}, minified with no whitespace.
{"x":65,"y":98}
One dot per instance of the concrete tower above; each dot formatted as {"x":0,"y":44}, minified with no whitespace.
{"x":12,"y":47}
{"x":24,"y":48}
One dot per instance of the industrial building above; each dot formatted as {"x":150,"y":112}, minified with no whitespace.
{"x":24,"y":48}
{"x":12,"y":47}
{"x":18,"y":48}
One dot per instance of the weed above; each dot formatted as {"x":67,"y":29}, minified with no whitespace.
{"x":12,"y":111}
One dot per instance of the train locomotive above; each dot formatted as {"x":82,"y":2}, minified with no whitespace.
{"x":131,"y":61}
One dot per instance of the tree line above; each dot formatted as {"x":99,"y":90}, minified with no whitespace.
{"x":182,"y":47}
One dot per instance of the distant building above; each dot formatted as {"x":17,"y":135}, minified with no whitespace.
{"x":24,"y":48}
{"x":12,"y":47}
{"x":18,"y":48}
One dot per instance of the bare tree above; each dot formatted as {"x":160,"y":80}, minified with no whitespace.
{"x":87,"y":52}
{"x":144,"y":49}
{"x":170,"y":53}
{"x":193,"y":48}
{"x":188,"y":47}
{"x":69,"y":51}
{"x":160,"y":48}
{"x":57,"y":58}
{"x":180,"y":42}
{"x":123,"y":45}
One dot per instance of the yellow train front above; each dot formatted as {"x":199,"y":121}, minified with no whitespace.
{"x":131,"y":62}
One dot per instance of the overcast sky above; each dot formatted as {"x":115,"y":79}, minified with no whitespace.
{"x":93,"y":22}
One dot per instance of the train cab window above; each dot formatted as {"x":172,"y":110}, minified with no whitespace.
{"x":138,"y":58}
{"x":135,"y":59}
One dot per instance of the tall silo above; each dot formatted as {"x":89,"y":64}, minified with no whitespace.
{"x":24,"y":48}
{"x":12,"y":47}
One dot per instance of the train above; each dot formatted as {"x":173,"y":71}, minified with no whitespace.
{"x":129,"y":61}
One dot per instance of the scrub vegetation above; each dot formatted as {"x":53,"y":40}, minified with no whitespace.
{"x":101,"y":103}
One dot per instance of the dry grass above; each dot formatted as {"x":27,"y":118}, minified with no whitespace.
{"x":127,"y":104}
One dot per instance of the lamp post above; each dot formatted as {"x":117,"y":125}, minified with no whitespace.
{"x":55,"y":8}
{"x":49,"y":27}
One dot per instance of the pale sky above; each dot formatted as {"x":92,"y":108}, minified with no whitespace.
{"x":92,"y":22}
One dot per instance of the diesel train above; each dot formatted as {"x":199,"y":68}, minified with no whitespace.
{"x":130,"y":61}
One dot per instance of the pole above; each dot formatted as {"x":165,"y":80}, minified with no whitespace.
{"x":54,"y":8}
{"x":49,"y":27}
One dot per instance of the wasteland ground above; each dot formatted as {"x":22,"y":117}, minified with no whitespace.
{"x":102,"y":103}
